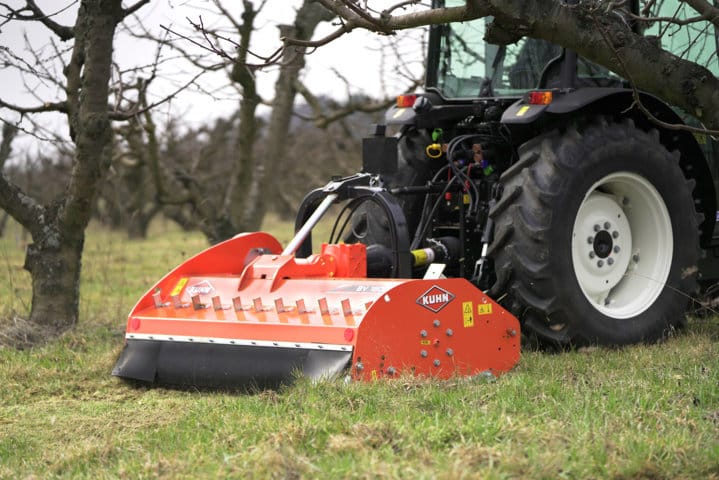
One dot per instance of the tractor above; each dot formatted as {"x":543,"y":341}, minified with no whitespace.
{"x":525,"y":189}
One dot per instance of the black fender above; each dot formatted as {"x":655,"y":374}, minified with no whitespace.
{"x":619,"y":103}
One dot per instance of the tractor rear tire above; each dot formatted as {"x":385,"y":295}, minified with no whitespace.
{"x":596,"y":236}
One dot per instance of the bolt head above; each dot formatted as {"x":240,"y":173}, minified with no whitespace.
{"x":610,"y":261}
{"x":597,"y":227}
{"x":607,"y":225}
{"x":391,"y":371}
{"x":359,"y":366}
{"x":591,"y":255}
{"x":615,"y":234}
{"x":436,"y":363}
{"x":617,"y":249}
{"x":590,"y":240}
{"x":423,"y":333}
{"x":423,"y":353}
{"x":600,"y":263}
{"x":450,"y":332}
{"x":450,"y":352}
{"x":436,"y":323}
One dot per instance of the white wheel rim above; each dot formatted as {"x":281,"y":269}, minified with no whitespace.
{"x":622,"y":245}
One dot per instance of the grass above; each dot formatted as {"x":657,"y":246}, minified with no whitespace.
{"x":638,"y":412}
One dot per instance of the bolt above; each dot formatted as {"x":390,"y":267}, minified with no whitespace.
{"x":590,"y":240}
{"x":436,"y":323}
{"x":423,"y":353}
{"x":391,"y":371}
{"x":635,"y":258}
{"x":597,"y":227}
{"x":591,"y":254}
{"x":359,"y":366}
{"x":615,"y":234}
{"x":610,"y":261}
{"x":423,"y":333}
{"x":436,"y":363}
{"x":607,"y":225}
{"x":600,"y":263}
{"x":450,"y":352}
{"x":617,"y":249}
{"x":511,"y":332}
{"x":450,"y":332}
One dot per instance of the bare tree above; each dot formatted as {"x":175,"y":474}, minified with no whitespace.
{"x":58,"y":228}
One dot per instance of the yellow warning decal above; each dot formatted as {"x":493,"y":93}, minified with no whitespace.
{"x":398,"y":113}
{"x":373,"y":374}
{"x":484,"y":309}
{"x":466,"y":198}
{"x":522,"y":111}
{"x":467,"y":314}
{"x":180,"y":285}
{"x":425,"y":342}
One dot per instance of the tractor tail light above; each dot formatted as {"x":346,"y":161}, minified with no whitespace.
{"x":539,"y":98}
{"x":406,"y":101}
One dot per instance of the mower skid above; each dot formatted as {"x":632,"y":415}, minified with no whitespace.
{"x":242,"y":314}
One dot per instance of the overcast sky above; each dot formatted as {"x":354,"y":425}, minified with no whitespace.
{"x":357,"y":56}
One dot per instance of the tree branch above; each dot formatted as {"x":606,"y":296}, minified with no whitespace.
{"x":62,"y":31}
{"x":133,"y":8}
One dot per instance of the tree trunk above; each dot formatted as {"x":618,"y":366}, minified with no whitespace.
{"x":58,"y":231}
{"x":55,"y":271}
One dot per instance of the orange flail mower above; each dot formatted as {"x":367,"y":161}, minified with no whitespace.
{"x":246,"y":312}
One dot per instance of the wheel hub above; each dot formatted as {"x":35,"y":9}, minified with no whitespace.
{"x":603,"y":244}
{"x":621,"y":219}
{"x":603,"y":259}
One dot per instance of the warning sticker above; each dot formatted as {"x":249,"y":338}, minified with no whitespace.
{"x":484,"y":309}
{"x":180,"y":285}
{"x":467,"y":314}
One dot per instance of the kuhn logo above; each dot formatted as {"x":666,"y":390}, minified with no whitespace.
{"x":435,"y":299}
{"x":201,"y":288}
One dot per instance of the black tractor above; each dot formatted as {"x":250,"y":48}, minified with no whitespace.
{"x":533,"y":173}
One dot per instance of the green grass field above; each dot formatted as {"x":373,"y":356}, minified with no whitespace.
{"x":638,"y":412}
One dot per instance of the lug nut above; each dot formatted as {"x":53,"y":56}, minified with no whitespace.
{"x":610,"y":261}
{"x":600,"y":263}
{"x":591,"y":254}
{"x":607,"y":225}
{"x":615,"y":234}
{"x":590,"y":240}
{"x":597,"y":227}
{"x":617,"y":249}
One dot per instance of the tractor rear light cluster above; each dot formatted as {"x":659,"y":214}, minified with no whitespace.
{"x":539,"y":97}
{"x":406,"y":101}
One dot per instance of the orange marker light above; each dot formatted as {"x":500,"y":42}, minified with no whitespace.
{"x":406,"y":101}
{"x":539,"y":98}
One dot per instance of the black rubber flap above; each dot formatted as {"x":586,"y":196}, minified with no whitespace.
{"x":221,"y":365}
